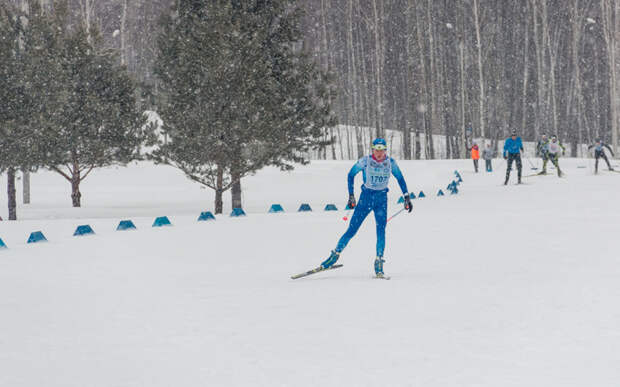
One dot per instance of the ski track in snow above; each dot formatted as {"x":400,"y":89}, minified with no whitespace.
{"x":495,"y":286}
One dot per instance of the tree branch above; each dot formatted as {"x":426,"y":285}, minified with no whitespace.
{"x":56,"y":169}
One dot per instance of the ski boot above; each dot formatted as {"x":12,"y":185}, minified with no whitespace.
{"x":379,"y":267}
{"x":329,"y":262}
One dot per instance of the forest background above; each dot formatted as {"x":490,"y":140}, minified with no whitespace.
{"x":462,"y":69}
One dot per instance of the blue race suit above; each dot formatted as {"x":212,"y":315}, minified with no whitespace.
{"x":374,"y":197}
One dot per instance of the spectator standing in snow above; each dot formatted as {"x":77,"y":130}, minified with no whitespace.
{"x":377,"y":169}
{"x":487,"y":154}
{"x":475,"y":155}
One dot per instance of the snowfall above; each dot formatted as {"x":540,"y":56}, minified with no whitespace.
{"x":497,"y":285}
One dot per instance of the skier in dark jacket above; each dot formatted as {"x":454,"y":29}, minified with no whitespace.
{"x":542,"y":151}
{"x":513,"y":146}
{"x":599,"y":152}
{"x":376,"y":170}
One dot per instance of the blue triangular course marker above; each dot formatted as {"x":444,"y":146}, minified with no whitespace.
{"x":36,"y":236}
{"x":237,"y":212}
{"x":458,"y":175}
{"x":206,"y":215}
{"x":2,"y":245}
{"x":83,"y":230}
{"x":125,"y":225}
{"x":305,"y":207}
{"x":331,"y":207}
{"x":162,"y":221}
{"x":440,"y":193}
{"x":454,"y":191}
{"x":400,"y":200}
{"x":421,"y":195}
{"x":276,"y":208}
{"x":411,"y":195}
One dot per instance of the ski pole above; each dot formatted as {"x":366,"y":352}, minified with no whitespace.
{"x":531,"y":165}
{"x":393,"y":216}
{"x":346,"y":215}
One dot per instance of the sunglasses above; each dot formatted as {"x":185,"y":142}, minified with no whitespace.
{"x":379,"y":147}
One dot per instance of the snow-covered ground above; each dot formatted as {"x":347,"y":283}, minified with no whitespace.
{"x":496,"y":286}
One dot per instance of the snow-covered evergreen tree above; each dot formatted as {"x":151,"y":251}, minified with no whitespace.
{"x":95,"y":122}
{"x":237,"y":93}
{"x":21,"y":146}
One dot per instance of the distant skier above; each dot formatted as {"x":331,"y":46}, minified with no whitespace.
{"x":599,"y":152}
{"x":542,"y":151}
{"x":513,"y":146}
{"x":475,"y":155}
{"x":554,"y":147}
{"x":487,"y":154}
{"x":376,"y":170}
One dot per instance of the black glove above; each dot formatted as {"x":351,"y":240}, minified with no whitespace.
{"x":505,"y":156}
{"x":351,"y":202}
{"x":407,"y":203}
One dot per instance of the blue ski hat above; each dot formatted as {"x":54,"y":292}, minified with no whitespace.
{"x":379,"y":144}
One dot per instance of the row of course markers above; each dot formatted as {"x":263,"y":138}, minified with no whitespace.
{"x":452,"y":188}
{"x":304,"y":207}
{"x":161,"y":221}
{"x":85,"y":229}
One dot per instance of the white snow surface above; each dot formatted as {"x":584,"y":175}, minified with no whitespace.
{"x":495,"y":286}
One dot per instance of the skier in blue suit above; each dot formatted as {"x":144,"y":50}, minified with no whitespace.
{"x":513,"y":146}
{"x":376,"y":170}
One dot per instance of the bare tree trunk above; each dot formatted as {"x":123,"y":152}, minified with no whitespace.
{"x":365,"y":100}
{"x":124,"y":34}
{"x":10,"y":188}
{"x":86,"y":10}
{"x":219,"y":205}
{"x":573,"y":108}
{"x":408,"y":147}
{"x":609,"y":32}
{"x":476,"y":12}
{"x":76,"y":195}
{"x":463,"y":152}
{"x":526,"y":42}
{"x":431,"y":78}
{"x":616,"y":100}
{"x":235,"y":190}
{"x":539,"y":70}
{"x":353,"y":79}
{"x":26,"y":187}
{"x":379,"y":57}
{"x":552,"y":48}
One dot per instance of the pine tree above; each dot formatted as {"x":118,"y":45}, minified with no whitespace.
{"x":237,"y":93}
{"x":96,"y":122}
{"x":21,"y":147}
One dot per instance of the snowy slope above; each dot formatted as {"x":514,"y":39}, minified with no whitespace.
{"x":497,"y":286}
